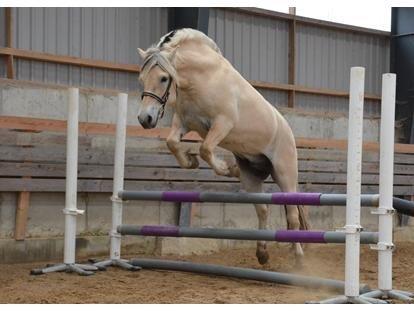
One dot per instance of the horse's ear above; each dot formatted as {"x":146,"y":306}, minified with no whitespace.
{"x":142,"y":53}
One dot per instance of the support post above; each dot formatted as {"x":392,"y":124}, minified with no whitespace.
{"x":292,"y":57}
{"x":9,"y":42}
{"x":385,"y":245}
{"x":353,"y":190}
{"x":71,"y":176}
{"x":385,"y":211}
{"x":118,"y":185}
{"x":353,"y":202}
{"x":71,"y":211}
{"x":22,"y":210}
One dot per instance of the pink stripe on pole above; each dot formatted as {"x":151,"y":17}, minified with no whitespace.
{"x":300,"y":236}
{"x":180,"y":196}
{"x":296,"y":198}
{"x":160,"y":231}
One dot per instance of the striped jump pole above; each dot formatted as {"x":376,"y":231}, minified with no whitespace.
{"x":304,"y":198}
{"x":300,"y":236}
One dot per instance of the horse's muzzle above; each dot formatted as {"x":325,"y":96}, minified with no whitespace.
{"x":147,"y":121}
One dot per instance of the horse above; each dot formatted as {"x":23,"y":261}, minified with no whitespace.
{"x":187,"y":70}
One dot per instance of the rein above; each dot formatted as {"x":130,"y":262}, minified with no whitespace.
{"x":162,"y":100}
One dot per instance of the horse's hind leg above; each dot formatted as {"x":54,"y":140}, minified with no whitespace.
{"x":285,"y":174}
{"x":253,"y":183}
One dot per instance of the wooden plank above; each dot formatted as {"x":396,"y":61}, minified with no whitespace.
{"x":292,"y":56}
{"x":22,"y":210}
{"x":37,"y":170}
{"x":83,"y":62}
{"x":54,"y":86}
{"x":97,"y":156}
{"x":58,"y":185}
{"x":307,"y":90}
{"x":89,"y":128}
{"x":340,"y":167}
{"x":9,"y":27}
{"x":22,"y":138}
{"x":10,"y":68}
{"x":68,"y":60}
{"x":340,"y":155}
{"x":9,"y":42}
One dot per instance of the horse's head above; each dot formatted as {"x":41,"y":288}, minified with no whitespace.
{"x":158,"y":78}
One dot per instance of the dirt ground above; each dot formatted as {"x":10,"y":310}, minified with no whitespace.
{"x":119,"y":286}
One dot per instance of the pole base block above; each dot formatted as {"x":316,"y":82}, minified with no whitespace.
{"x":121,"y":263}
{"x":81,"y":269}
{"x":350,"y":300}
{"x":390,"y":294}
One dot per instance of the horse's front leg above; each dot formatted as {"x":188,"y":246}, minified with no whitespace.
{"x":184,"y":158}
{"x":218,"y":131}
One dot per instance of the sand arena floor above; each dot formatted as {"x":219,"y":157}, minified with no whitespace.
{"x":146,"y":286}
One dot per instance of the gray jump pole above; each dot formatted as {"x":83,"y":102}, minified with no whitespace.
{"x":245,"y":273}
{"x":301,"y":236}
{"x":305,"y":198}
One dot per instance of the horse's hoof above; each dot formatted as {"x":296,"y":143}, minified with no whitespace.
{"x":234,"y":171}
{"x":193,"y":161}
{"x":262,"y":256}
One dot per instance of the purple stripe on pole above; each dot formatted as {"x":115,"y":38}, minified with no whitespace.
{"x":180,"y":196}
{"x":160,"y":231}
{"x":295,"y":198}
{"x":300,"y":236}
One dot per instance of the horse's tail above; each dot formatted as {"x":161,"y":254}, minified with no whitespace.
{"x":303,"y":217}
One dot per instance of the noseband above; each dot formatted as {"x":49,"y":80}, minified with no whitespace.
{"x":162,"y":100}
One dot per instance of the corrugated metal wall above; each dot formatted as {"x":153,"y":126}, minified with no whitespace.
{"x":324,"y":57}
{"x":110,"y":34}
{"x":257,"y":46}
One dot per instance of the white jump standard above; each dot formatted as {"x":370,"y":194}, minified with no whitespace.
{"x":71,"y":211}
{"x":385,"y":211}
{"x":118,"y":184}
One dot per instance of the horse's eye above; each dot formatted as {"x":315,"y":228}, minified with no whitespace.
{"x":164,"y":79}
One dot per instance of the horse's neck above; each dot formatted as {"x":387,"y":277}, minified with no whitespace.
{"x":194,"y":60}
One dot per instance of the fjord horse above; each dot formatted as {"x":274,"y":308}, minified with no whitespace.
{"x":187,"y":70}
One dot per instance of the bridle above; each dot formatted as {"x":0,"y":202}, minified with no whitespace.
{"x":164,"y":98}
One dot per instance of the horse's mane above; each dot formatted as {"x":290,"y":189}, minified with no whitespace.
{"x":160,"y":53}
{"x":174,"y":38}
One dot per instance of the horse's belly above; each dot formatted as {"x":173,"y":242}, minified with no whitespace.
{"x":243,"y":143}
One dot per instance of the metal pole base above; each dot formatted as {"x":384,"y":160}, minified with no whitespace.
{"x":80,"y":269}
{"x":354,"y":300}
{"x":122,"y":263}
{"x":390,"y":294}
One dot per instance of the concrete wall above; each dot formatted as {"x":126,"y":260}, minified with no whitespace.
{"x":46,"y":223}
{"x":37,"y":101}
